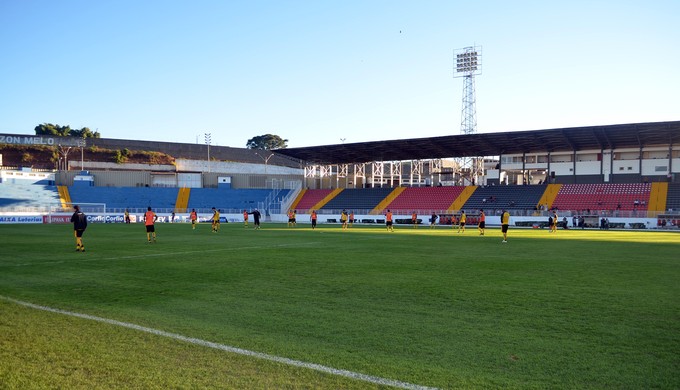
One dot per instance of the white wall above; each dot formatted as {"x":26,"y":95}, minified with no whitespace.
{"x":234,"y":167}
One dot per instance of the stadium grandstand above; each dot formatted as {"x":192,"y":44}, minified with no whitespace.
{"x":628,"y":172}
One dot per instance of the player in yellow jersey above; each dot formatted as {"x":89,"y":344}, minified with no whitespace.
{"x":461,"y":221}
{"x":215,"y":220}
{"x":245,"y":218}
{"x":505,"y":223}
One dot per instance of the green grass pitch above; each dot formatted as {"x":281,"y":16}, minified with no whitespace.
{"x":575,"y":309}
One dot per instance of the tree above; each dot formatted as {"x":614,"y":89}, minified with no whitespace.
{"x":85,"y":132}
{"x":65,"y":131}
{"x":50,"y":129}
{"x":267,"y":142}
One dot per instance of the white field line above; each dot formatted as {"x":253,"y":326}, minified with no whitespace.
{"x":240,"y":351}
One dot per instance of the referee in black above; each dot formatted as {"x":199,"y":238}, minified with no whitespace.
{"x":79,"y":225}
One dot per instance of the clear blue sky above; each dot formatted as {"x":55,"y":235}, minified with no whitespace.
{"x":315,"y":72}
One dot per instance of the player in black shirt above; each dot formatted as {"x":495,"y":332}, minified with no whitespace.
{"x":79,"y":225}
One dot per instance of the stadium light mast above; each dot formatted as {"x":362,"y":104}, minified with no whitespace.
{"x":467,"y":63}
{"x":82,"y":143}
{"x":265,"y":159}
{"x":208,"y":136}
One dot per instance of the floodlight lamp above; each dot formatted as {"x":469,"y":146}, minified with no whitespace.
{"x":467,"y":61}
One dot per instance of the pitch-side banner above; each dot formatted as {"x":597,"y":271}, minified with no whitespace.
{"x":113,"y":218}
{"x":21,"y":219}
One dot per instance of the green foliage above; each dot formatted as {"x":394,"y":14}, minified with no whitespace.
{"x":26,"y":157}
{"x":574,"y":309}
{"x":119,"y":157}
{"x":267,"y":142}
{"x":65,"y":131}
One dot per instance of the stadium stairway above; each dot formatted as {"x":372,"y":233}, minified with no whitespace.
{"x":388,"y":199}
{"x":298,"y":198}
{"x":64,"y":196}
{"x":549,"y":195}
{"x":657,"y":198}
{"x":182,"y":203}
{"x":309,"y":198}
{"x":462,"y":198}
{"x":326,"y":199}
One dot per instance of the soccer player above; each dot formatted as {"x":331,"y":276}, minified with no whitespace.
{"x":461,"y":221}
{"x":256,"y":219}
{"x":245,"y":219}
{"x":79,"y":225}
{"x":414,"y":220}
{"x":433,"y":220}
{"x":505,"y":223}
{"x":313,"y":217}
{"x":291,"y":218}
{"x":351,"y":218}
{"x":343,"y":219}
{"x":127,"y":216}
{"x":149,"y":220}
{"x":215,"y":220}
{"x":482,"y":222}
{"x":553,"y":227}
{"x":388,"y":221}
{"x":194,"y":217}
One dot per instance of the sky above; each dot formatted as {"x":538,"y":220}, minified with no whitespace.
{"x":330,"y":72}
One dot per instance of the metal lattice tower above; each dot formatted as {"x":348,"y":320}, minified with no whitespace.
{"x":467,"y":63}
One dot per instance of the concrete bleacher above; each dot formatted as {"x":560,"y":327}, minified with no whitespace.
{"x":311,"y":198}
{"x":505,"y":197}
{"x":357,"y":199}
{"x":603,"y":196}
{"x":673,"y":197}
{"x":119,"y":198}
{"x":164,"y":199}
{"x":425,"y":199}
{"x":231,"y":199}
{"x":20,"y":193}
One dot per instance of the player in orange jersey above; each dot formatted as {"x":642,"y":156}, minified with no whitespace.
{"x":149,"y":220}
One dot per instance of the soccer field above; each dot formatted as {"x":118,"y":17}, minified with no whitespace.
{"x":327,"y":308}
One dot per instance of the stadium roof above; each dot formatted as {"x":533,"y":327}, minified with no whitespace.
{"x":634,"y":135}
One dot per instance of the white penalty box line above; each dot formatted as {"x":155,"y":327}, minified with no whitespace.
{"x":239,"y":351}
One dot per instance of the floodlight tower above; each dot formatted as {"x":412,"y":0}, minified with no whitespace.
{"x":467,"y":63}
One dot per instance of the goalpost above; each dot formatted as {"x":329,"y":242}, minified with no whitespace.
{"x":87,"y":208}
